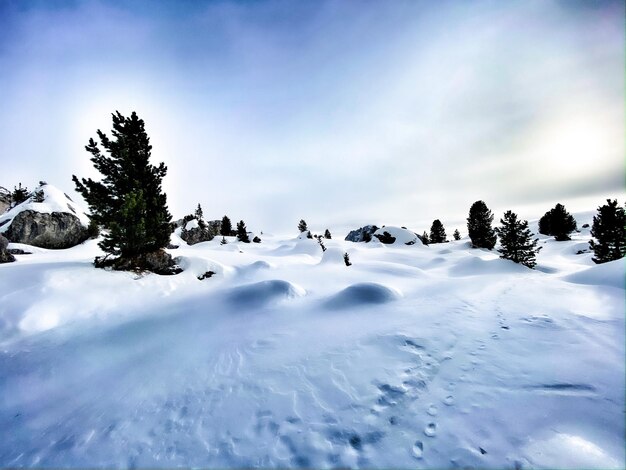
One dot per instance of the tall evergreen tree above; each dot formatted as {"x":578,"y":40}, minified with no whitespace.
{"x":479,"y":227}
{"x":226,"y":229}
{"x":456,"y":234}
{"x":302,"y":226}
{"x":557,"y":222}
{"x":242,"y":232}
{"x":437,"y":232}
{"x":516,"y":240}
{"x":327,"y":234}
{"x":128,"y":202}
{"x":609,"y":229}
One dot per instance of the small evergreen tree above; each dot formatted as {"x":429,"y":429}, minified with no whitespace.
{"x":19,"y":195}
{"x":479,"y":227}
{"x":516,"y":240}
{"x":226,"y":228}
{"x":242,"y":232}
{"x":346,"y":259}
{"x":128,"y":201}
{"x":198,"y":214}
{"x":609,"y":229}
{"x":425,"y":239}
{"x":327,"y":234}
{"x":437,"y":232}
{"x":544,"y":224}
{"x":557,"y":222}
{"x":456,"y":234}
{"x":302,"y":226}
{"x":224,"y":241}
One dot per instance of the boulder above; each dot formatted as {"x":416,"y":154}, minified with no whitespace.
{"x":55,"y":230}
{"x":5,"y":200}
{"x":5,"y":256}
{"x":363,"y":234}
{"x":196,"y":231}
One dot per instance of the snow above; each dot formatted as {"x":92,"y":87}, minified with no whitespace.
{"x":432,"y":357}
{"x":55,"y":200}
{"x":402,"y":235}
{"x":193,"y":223}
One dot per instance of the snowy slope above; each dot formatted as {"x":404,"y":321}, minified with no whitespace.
{"x":429,"y":357}
{"x":55,"y":200}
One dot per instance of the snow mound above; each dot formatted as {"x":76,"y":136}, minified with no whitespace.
{"x":199,"y":266}
{"x":54,"y":200}
{"x":475,"y":266}
{"x":362,"y":294}
{"x":402,"y":236}
{"x":263,"y":293}
{"x":568,"y":451}
{"x":606,"y":274}
{"x":332,"y":255}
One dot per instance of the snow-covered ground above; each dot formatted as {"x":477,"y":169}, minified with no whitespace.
{"x":414,"y":356}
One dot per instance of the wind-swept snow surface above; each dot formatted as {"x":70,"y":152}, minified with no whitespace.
{"x":415,"y":356}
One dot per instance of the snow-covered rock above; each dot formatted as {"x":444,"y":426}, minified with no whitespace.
{"x":5,"y":200}
{"x":196,"y":231}
{"x":397,"y":236}
{"x":55,"y":222}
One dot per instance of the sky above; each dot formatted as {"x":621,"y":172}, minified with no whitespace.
{"x":339,"y":112}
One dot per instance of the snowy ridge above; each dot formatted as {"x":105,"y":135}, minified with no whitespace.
{"x":55,"y":200}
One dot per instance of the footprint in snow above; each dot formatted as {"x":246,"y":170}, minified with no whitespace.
{"x":430,"y":430}
{"x":418,"y":449}
{"x":449,"y":400}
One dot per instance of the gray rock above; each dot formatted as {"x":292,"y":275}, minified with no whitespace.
{"x":5,"y":200}
{"x":55,"y":231}
{"x":197,"y":235}
{"x":5,"y":256}
{"x":363,"y":234}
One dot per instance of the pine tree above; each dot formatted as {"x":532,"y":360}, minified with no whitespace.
{"x":128,"y":202}
{"x":327,"y":234}
{"x":224,"y":241}
{"x":544,"y":224}
{"x":609,"y":229}
{"x":19,"y":195}
{"x":346,"y":259}
{"x":557,"y":222}
{"x":516,"y":240}
{"x":302,"y":226}
{"x":242,"y":232}
{"x":437,"y":232}
{"x":425,"y":239}
{"x":226,"y":228}
{"x":479,"y":227}
{"x":198,"y":214}
{"x":456,"y":234}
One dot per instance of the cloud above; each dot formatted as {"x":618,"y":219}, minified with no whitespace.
{"x":371,"y":111}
